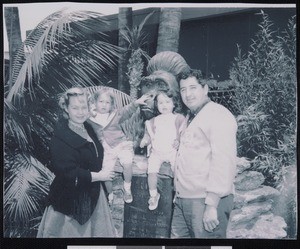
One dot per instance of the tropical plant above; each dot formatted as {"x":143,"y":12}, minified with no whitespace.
{"x":265,"y":92}
{"x":136,"y":39}
{"x":12,"y":21}
{"x":64,"y":50}
{"x":124,"y":22}
{"x":253,"y":133}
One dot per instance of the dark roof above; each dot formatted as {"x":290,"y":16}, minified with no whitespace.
{"x":188,"y":14}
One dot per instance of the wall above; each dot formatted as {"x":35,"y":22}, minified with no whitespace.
{"x":210,"y":44}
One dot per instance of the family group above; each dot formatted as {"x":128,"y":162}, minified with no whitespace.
{"x":199,"y":144}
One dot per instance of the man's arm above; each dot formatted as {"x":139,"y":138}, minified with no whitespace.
{"x":223,"y":166}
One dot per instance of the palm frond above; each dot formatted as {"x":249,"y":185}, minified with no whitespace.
{"x":14,"y":129}
{"x":57,"y":39}
{"x":135,"y":37}
{"x":141,"y":26}
{"x":26,"y":184}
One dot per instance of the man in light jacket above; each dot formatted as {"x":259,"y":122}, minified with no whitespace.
{"x":205,"y":166}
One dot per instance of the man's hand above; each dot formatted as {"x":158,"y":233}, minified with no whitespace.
{"x":143,"y":143}
{"x":210,"y":218}
{"x":149,"y":147}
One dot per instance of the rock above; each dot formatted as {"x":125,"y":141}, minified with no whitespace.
{"x":249,"y":180}
{"x":117,"y":208}
{"x":118,"y":181}
{"x":242,"y":164}
{"x":241,"y":198}
{"x":119,"y":228}
{"x":118,"y":212}
{"x":118,"y":197}
{"x":267,"y":226}
{"x":249,"y":212}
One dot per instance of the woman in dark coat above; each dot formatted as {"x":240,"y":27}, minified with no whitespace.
{"x":77,"y":204}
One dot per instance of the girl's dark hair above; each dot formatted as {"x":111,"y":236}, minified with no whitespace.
{"x":175,"y":98}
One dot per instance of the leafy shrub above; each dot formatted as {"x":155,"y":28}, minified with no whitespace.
{"x":265,"y":83}
{"x":265,"y":94}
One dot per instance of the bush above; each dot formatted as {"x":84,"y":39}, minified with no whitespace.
{"x":265,"y":94}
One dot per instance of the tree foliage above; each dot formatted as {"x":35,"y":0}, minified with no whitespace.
{"x":136,"y":38}
{"x":265,"y":83}
{"x":64,"y":50}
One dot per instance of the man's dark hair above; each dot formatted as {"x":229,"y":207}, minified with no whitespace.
{"x":191,"y":73}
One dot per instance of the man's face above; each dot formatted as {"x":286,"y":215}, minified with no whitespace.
{"x":192,"y":93}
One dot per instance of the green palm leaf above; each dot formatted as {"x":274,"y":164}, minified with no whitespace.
{"x":15,"y":131}
{"x":64,"y":50}
{"x":71,"y":45}
{"x":26,"y":184}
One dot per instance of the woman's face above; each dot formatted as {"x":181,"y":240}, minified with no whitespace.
{"x":103,"y":104}
{"x":78,"y":109}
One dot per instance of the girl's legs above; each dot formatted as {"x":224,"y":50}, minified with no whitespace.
{"x":152,"y":182}
{"x":154,"y":195}
{"x":154,"y":163}
{"x":125,"y":155}
{"x":109,"y":161}
{"x":127,"y":173}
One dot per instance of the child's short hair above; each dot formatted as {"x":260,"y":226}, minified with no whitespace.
{"x":175,"y":98}
{"x":64,"y":99}
{"x":107,"y":92}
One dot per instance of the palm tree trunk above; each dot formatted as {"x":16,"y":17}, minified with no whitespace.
{"x":13,"y":30}
{"x":135,"y":66}
{"x":169,"y":29}
{"x":124,"y":20}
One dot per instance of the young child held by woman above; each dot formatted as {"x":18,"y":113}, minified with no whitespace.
{"x":107,"y":124}
{"x":162,"y":135}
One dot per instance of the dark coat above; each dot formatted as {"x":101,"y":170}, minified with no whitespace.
{"x":72,"y":159}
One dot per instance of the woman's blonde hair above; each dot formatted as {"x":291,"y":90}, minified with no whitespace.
{"x":64,"y":99}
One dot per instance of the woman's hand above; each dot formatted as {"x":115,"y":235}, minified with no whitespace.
{"x":103,"y":175}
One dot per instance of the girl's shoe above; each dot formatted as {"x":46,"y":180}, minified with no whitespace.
{"x":153,"y":202}
{"x":127,"y":196}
